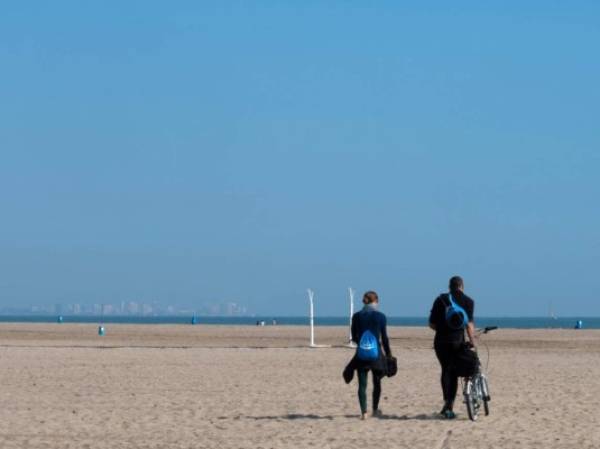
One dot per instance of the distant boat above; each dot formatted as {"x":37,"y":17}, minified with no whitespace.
{"x":551,"y":313}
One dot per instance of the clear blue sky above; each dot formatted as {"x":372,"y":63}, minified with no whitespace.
{"x":245,"y":151}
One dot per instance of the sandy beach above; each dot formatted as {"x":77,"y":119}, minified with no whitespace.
{"x":173,"y":386}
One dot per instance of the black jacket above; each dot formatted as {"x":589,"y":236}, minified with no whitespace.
{"x":369,"y":318}
{"x":437,"y":317}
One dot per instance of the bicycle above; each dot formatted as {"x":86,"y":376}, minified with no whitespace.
{"x":476,"y":390}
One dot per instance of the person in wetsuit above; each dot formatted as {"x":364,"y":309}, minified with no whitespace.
{"x":369,"y":318}
{"x":449,"y":341}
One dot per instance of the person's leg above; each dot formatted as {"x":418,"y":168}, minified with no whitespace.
{"x":362,"y":390}
{"x":449,"y":385}
{"x":451,"y":377}
{"x":442,"y":357}
{"x":448,"y":380}
{"x":376,"y":392}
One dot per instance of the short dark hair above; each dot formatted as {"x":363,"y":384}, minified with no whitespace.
{"x":370,"y":297}
{"x":456,"y":283}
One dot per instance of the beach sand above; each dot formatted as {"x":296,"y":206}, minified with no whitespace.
{"x":174,"y":386}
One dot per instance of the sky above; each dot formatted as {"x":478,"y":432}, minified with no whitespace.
{"x":191,"y":152}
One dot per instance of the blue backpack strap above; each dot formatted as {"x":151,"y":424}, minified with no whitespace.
{"x":457,"y":308}
{"x":451,"y":299}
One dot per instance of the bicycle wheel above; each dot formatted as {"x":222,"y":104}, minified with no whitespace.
{"x":471,"y":400}
{"x":485,"y":395}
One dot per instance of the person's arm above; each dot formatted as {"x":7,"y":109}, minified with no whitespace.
{"x":471,"y":332}
{"x":471,"y":326}
{"x":432,"y":316}
{"x":384,"y":338}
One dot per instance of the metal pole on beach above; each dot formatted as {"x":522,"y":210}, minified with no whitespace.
{"x":351,"y":294}
{"x":311,"y":297}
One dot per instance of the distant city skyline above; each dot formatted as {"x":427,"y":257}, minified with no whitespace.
{"x":206,"y":308}
{"x":130,"y":308}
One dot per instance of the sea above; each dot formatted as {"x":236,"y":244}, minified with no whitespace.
{"x":501,"y":322}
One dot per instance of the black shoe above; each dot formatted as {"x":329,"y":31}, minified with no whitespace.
{"x":449,"y":414}
{"x":447,"y":406}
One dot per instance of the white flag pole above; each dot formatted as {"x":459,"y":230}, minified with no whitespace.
{"x":311,"y":297}
{"x":351,"y":294}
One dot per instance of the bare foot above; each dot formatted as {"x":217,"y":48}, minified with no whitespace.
{"x":363,"y":416}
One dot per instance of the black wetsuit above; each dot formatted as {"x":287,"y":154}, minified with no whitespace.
{"x":448,"y":341}
{"x":369,"y":318}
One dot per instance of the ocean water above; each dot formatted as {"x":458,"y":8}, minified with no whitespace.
{"x":502,"y":322}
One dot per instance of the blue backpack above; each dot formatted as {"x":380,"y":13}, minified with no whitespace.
{"x":368,"y":347}
{"x":456,"y":317}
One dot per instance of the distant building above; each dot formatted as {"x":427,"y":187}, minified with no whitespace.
{"x":107,"y":309}
{"x":147,"y":309}
{"x":234,"y":309}
{"x":223,"y":309}
{"x":133,"y":308}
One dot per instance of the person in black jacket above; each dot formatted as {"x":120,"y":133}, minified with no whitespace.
{"x":369,"y":318}
{"x":449,"y":340}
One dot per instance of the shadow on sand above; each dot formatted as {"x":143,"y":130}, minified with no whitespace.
{"x":299,"y":416}
{"x":420,"y":417}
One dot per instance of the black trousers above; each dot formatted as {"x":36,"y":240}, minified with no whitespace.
{"x":362,"y":389}
{"x":446,"y":353}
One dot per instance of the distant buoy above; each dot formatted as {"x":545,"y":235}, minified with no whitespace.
{"x":579,"y":324}
{"x":194,"y":320}
{"x":101,"y":330}
{"x":59,"y":319}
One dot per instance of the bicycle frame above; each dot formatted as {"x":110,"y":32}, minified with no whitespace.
{"x":475,"y":388}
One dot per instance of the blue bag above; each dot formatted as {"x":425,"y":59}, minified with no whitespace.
{"x":368,"y":347}
{"x":456,"y":317}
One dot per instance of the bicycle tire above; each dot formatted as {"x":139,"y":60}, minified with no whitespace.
{"x":470,"y":400}
{"x":486,"y":395}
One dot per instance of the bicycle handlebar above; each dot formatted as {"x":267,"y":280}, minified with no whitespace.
{"x":486,"y":330}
